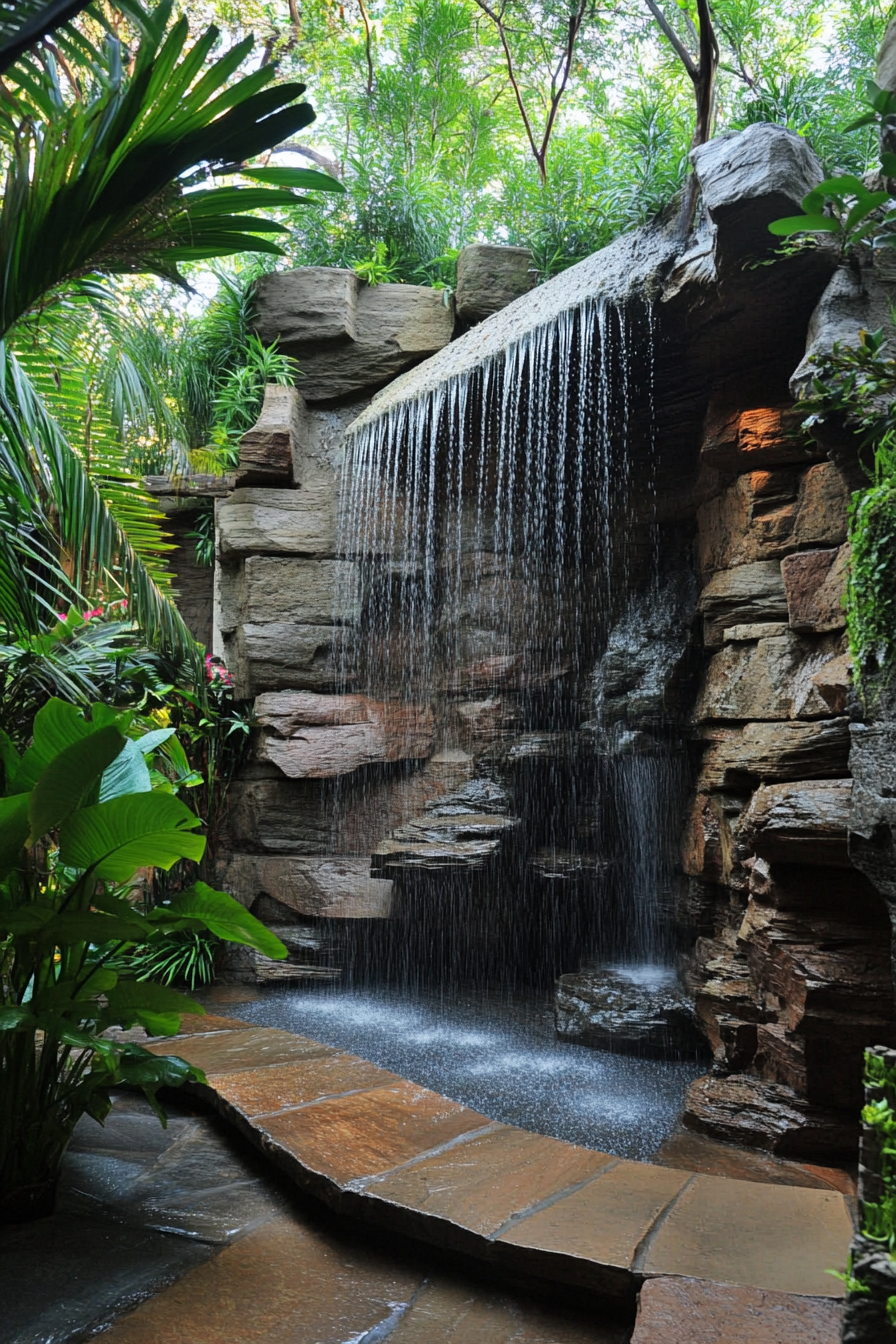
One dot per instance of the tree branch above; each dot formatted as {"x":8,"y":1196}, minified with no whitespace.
{"x":498,"y":21}
{"x":365,"y":19}
{"x":678,"y":46}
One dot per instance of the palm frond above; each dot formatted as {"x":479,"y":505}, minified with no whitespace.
{"x":116,"y":183}
{"x":70,"y":510}
{"x":24,"y":22}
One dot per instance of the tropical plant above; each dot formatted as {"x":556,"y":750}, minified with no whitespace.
{"x":113,"y":181}
{"x":78,"y":817}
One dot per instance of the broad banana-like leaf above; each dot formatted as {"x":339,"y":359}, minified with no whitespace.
{"x":139,"y":830}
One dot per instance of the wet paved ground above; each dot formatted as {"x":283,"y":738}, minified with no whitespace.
{"x":500,"y":1057}
{"x":190,"y":1223}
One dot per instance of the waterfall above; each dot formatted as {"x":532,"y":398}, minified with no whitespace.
{"x":498,"y":539}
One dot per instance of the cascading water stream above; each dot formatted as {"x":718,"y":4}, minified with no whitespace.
{"x":500,"y":525}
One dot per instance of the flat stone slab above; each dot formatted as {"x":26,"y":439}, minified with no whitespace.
{"x":689,"y":1311}
{"x":400,"y":1156}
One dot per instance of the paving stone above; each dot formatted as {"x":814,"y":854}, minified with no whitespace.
{"x":697,"y":1152}
{"x":447,"y":1312}
{"x":287,"y":1283}
{"x":481,"y":1184}
{"x":232,"y":1051}
{"x":349,"y":1138}
{"x":202,"y":1024}
{"x":765,"y":1236}
{"x":690,"y":1311}
{"x":592,"y":1235}
{"x":259,"y":1092}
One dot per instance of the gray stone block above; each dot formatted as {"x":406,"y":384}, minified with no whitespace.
{"x":276,"y":522}
{"x":304,"y":592}
{"x":307,"y":307}
{"x":489,"y":278}
{"x":328,"y":887}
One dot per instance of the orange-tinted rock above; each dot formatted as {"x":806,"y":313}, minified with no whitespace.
{"x":766,"y":436}
{"x":815,"y":582}
{"x":803,"y":822}
{"x":698,"y":1231}
{"x":752,"y":520}
{"x":349,"y":1138}
{"x":687,"y":1151}
{"x":260,"y":1092}
{"x":285,"y":1283}
{"x":692,"y":1311}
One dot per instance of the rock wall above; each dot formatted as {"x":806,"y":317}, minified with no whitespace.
{"x":724,"y":671}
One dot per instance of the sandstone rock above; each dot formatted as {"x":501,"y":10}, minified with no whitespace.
{"x":815,"y":583}
{"x":833,"y":682}
{"x":745,"y":594}
{"x":268,"y":449}
{"x":822,"y":508}
{"x":307,"y":307}
{"x":768,"y":680}
{"x":747,"y":634}
{"x":276,"y":522}
{"x":269,"y":814}
{"x":747,"y":1110}
{"x":765,"y":752}
{"x":229,"y":592}
{"x":692,"y":1311}
{"x":802,"y":822}
{"x":281,"y":654}
{"x":610,"y":1010}
{"x":751,"y":520}
{"x":746,"y":175}
{"x":708,"y":845}
{"x":320,"y":737}
{"x":348,"y":336}
{"x":305,"y":592}
{"x":768,"y":436}
{"x":855,"y":299}
{"x":335,"y":887}
{"x":488,"y":278}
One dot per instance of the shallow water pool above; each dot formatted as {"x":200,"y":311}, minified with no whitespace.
{"x":498,"y":1056}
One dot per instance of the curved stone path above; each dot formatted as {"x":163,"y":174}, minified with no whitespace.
{"x":378,"y":1148}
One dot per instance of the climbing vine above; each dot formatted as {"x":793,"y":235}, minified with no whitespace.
{"x":858,"y":384}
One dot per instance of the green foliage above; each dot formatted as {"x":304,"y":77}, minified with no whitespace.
{"x":183,"y":957}
{"x":202,"y":536}
{"x":879,"y":1220}
{"x":856,"y":384}
{"x":70,"y":840}
{"x":852,"y":214}
{"x":240,"y":395}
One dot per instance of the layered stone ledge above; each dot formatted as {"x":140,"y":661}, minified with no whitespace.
{"x":376,"y":1147}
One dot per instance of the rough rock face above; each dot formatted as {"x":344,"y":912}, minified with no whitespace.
{"x":348,"y":336}
{"x":321,"y":736}
{"x":330,"y":887}
{"x":488,"y":278}
{"x":815,"y":583}
{"x":266,"y":450}
{"x":872,"y":820}
{"x":630,"y":1014}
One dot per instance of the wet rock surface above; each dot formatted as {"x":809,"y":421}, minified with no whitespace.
{"x":638,"y":1013}
{"x":690,"y":1311}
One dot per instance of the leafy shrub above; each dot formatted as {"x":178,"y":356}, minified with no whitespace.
{"x":78,"y":817}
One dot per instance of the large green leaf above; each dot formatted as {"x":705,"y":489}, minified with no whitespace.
{"x":224,"y":916}
{"x":783,"y":228}
{"x":138,"y":830}
{"x":155,"y":1007}
{"x":57,"y":725}
{"x":70,"y":778}
{"x":128,"y":774}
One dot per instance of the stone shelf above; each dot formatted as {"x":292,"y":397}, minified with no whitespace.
{"x":381,"y":1149}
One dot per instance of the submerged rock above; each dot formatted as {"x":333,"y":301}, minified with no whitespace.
{"x":641,"y":1011}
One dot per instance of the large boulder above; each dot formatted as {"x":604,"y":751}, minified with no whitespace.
{"x":347,"y":336}
{"x":802,"y":822}
{"x":642,"y":1012}
{"x":321,"y":736}
{"x":745,"y":595}
{"x":768,"y":677}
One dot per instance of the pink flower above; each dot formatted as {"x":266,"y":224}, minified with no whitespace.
{"x":89,"y":615}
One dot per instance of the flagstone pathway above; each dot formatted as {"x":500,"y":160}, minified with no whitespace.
{"x":384,"y":1151}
